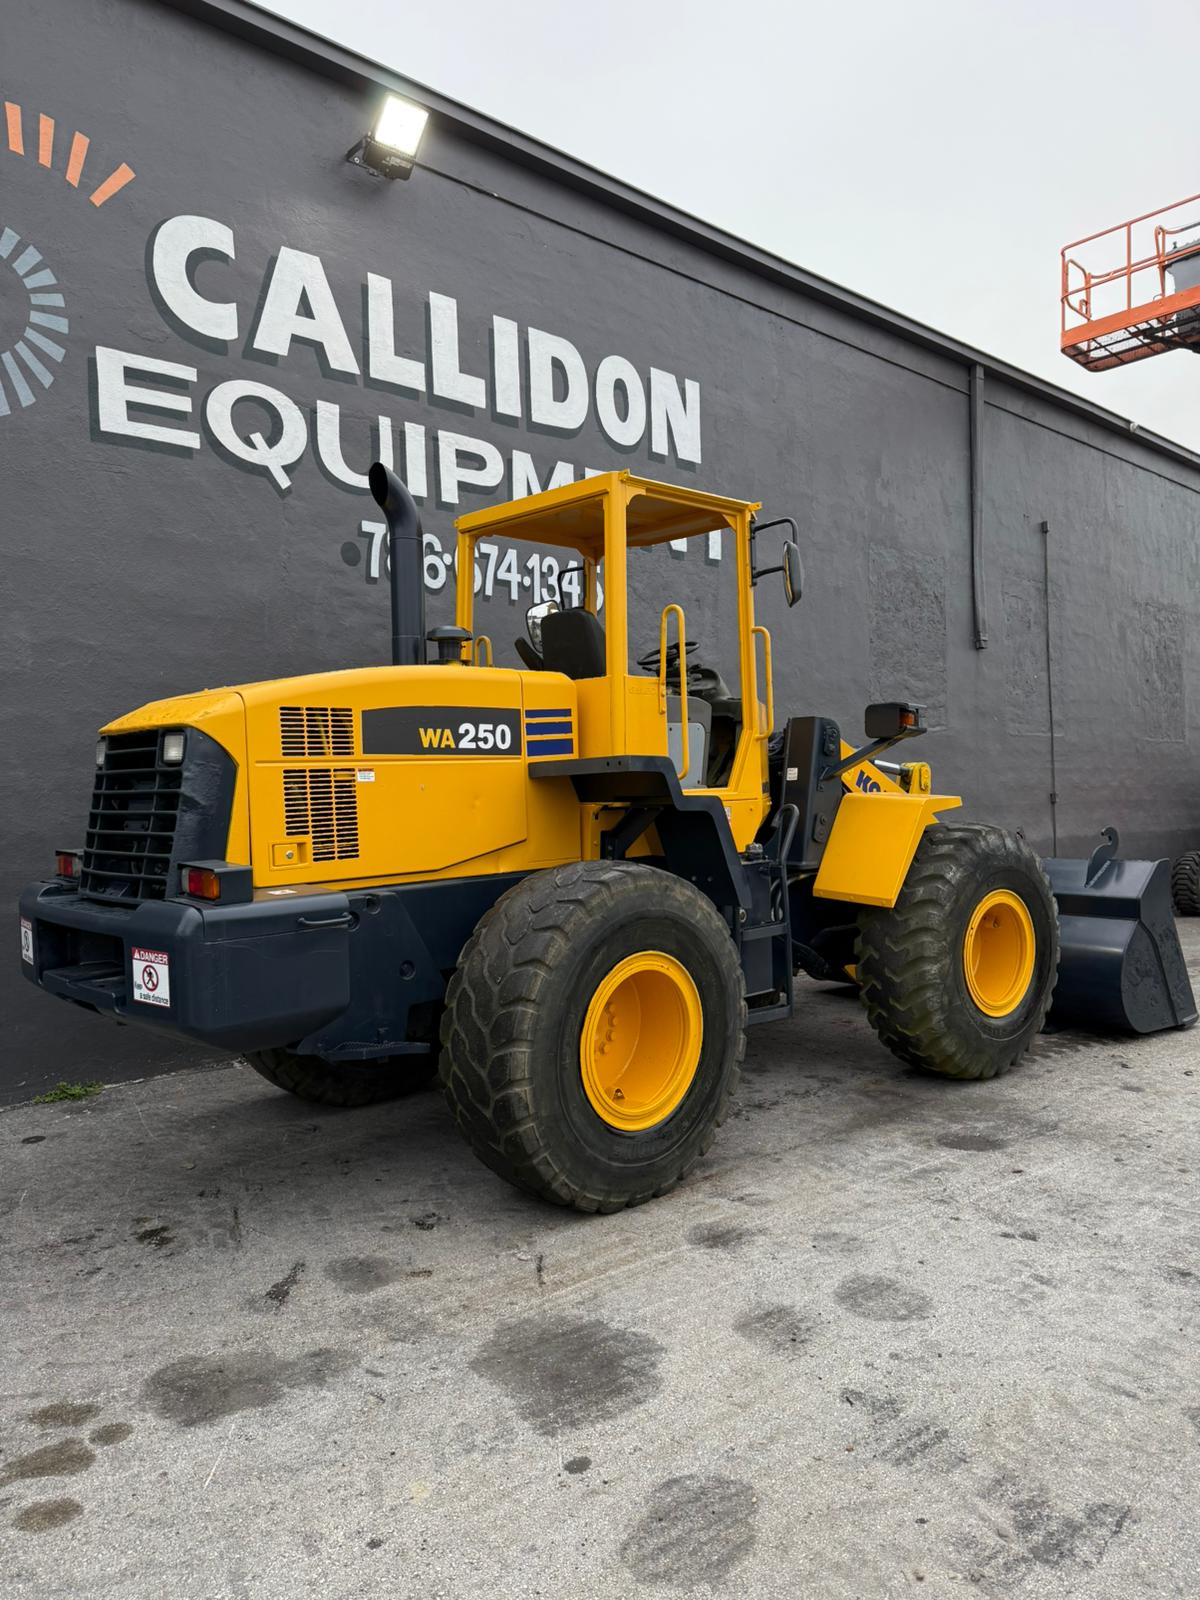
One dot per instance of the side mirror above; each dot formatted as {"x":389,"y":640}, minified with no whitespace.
{"x":533,"y":621}
{"x":793,"y":573}
{"x":791,"y":566}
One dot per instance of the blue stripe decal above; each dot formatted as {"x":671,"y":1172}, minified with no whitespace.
{"x":551,"y":747}
{"x":564,"y":712}
{"x":535,"y":730}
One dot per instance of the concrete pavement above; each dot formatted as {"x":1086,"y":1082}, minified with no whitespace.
{"x":896,"y":1336}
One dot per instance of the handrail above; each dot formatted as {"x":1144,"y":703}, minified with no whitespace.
{"x":1119,"y":227}
{"x":685,"y":750}
{"x":760,"y":632}
{"x":1083,"y":291}
{"x":476,"y":652}
{"x":1081,"y":300}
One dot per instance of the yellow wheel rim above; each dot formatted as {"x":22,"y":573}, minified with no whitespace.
{"x":640,"y":1044}
{"x":999,"y":952}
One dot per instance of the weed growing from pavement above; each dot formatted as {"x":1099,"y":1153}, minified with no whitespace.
{"x":67,"y":1091}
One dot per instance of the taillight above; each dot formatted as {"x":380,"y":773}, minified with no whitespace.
{"x":225,"y":881}
{"x":202,"y":882}
{"x":68,"y":863}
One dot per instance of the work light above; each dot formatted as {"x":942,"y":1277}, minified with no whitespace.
{"x":390,"y":149}
{"x":172,"y":748}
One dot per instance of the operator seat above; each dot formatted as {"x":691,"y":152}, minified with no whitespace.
{"x":573,"y":644}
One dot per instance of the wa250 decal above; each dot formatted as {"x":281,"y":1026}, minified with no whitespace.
{"x":441,"y":730}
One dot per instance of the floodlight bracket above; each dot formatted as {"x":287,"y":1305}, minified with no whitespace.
{"x":380,"y":160}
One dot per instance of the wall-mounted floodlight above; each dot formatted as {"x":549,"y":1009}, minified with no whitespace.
{"x":390,"y":149}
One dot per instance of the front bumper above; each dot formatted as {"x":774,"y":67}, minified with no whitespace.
{"x":241,"y":977}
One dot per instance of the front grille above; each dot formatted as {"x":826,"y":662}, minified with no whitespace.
{"x":316,"y":731}
{"x":131,"y":826}
{"x":321,"y":803}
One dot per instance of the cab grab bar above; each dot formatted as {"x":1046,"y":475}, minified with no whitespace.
{"x":685,"y":760}
{"x":760,"y":632}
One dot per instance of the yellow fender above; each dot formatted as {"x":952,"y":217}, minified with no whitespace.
{"x":874,"y":837}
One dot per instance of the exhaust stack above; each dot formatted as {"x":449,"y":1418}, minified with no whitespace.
{"x":407,"y":556}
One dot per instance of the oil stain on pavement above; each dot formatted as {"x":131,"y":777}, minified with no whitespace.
{"x":570,"y":1372}
{"x":1042,"y":1536}
{"x":965,"y":1139}
{"x":66,"y":1458}
{"x":880,"y":1408}
{"x":110,"y":1433}
{"x":279,"y":1291}
{"x":696,"y":1530}
{"x":882,"y":1299}
{"x":158,"y":1237}
{"x":782,"y":1329}
{"x":363,"y":1274}
{"x":43,"y":1515}
{"x":60,"y":1460}
{"x":199,"y":1389}
{"x":721,"y":1235}
{"x":64,"y":1414}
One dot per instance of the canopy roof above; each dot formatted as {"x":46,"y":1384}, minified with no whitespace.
{"x":573,"y":516}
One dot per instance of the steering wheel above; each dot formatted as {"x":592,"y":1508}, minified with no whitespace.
{"x":650,"y":661}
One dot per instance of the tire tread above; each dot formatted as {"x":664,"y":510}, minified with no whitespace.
{"x":485,"y":1062}
{"x":327,"y":1083}
{"x":903,"y":959}
{"x":1185,"y":884}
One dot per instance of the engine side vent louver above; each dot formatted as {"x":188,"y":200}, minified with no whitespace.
{"x":321,"y":803}
{"x":316,"y":730}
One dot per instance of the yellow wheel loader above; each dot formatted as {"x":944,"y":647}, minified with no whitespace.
{"x":574,"y":885}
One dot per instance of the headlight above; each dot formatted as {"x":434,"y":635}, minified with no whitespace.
{"x":172,"y":748}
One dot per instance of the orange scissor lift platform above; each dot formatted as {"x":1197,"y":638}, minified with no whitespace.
{"x":1133,"y":290}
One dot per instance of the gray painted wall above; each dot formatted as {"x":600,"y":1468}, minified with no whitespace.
{"x":135,"y":569}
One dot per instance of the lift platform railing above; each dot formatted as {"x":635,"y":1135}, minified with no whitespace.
{"x":1133,"y":290}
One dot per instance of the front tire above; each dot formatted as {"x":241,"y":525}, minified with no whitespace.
{"x":593,"y":1033}
{"x":958,"y":975}
{"x":349,"y":1084}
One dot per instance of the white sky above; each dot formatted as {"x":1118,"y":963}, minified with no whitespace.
{"x":932,"y":154}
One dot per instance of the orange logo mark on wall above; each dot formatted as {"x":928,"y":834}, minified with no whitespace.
{"x":76,"y":155}
{"x":32,"y":361}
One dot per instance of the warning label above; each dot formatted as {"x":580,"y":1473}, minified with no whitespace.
{"x":27,"y":940}
{"x":151,"y":977}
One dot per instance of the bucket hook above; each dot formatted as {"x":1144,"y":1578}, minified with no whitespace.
{"x":1103,"y":853}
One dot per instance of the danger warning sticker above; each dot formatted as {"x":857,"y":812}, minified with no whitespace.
{"x":27,"y":940}
{"x":151,"y":977}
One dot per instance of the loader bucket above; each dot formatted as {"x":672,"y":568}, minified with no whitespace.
{"x":1121,"y":965}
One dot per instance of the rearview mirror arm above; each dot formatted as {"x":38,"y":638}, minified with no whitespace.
{"x":868,"y":752}
{"x":762,"y":527}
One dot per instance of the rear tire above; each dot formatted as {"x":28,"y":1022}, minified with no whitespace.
{"x":523,"y":1062}
{"x":349,"y":1084}
{"x":912,"y":959}
{"x":1185,"y":884}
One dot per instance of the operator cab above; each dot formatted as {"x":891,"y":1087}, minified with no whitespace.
{"x":644,"y":689}
{"x":571,"y":640}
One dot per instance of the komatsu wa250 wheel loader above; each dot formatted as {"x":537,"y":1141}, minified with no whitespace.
{"x":572,"y":885}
